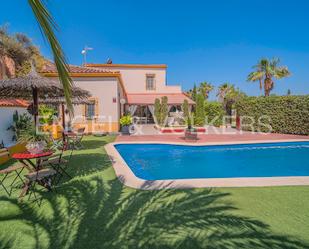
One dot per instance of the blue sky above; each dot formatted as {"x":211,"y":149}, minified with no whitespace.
{"x":216,"y":41}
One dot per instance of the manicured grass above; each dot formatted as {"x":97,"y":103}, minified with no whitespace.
{"x":94,"y":210}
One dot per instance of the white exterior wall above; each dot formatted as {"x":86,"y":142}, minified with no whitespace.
{"x":134,"y":80}
{"x":104,"y":89}
{"x":6,"y":120}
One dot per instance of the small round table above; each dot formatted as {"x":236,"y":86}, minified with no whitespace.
{"x":25,"y":159}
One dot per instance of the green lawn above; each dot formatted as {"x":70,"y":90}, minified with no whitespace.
{"x":94,"y":210}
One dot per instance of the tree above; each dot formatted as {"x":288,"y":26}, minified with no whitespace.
{"x":205,"y":88}
{"x":164,"y":110}
{"x":48,"y":27}
{"x":161,"y":110}
{"x":186,"y":113}
{"x":157,"y":111}
{"x":199,"y":116}
{"x":223,"y":90}
{"x":185,"y":108}
{"x":214,"y":112}
{"x":194,"y":93}
{"x":19,"y":49}
{"x":228,"y":95}
{"x":265,"y":71}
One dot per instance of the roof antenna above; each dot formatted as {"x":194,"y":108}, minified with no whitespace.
{"x":109,"y":61}
{"x":84,"y":53}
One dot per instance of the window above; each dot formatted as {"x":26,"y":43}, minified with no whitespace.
{"x":150,"y":82}
{"x":90,"y":110}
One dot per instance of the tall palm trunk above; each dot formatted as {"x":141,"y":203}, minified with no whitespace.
{"x":267,"y":85}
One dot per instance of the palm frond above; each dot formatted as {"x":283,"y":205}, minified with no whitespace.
{"x":281,"y":72}
{"x":274,"y":62}
{"x":255,"y":76}
{"x":48,"y":28}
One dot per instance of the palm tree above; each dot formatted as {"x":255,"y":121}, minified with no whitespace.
{"x":228,"y":95}
{"x":223,"y":90}
{"x":205,"y":88}
{"x":48,"y":28}
{"x":265,"y":71}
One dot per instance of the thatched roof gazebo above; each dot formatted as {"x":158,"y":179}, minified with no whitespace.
{"x":36,"y":88}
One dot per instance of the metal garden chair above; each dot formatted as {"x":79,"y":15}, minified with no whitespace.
{"x":43,"y":177}
{"x":58,"y":163}
{"x":8,"y":171}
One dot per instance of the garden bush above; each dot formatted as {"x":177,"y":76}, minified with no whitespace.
{"x":186,"y":113}
{"x":199,"y":115}
{"x":214,"y":112}
{"x":287,"y":114}
{"x":47,"y":114}
{"x":161,"y":111}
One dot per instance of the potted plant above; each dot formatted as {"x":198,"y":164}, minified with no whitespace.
{"x":125,"y":122}
{"x":20,"y":123}
{"x":35,"y":143}
{"x":191,"y":132}
{"x":189,"y":123}
{"x":47,"y":115}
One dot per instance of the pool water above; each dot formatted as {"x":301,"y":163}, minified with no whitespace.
{"x":163,"y":161}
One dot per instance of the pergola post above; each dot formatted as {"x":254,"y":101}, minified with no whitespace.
{"x":35,"y":105}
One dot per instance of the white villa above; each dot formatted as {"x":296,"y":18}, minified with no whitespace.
{"x":117,"y":89}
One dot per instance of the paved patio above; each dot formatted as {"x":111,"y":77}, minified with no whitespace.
{"x":221,"y":135}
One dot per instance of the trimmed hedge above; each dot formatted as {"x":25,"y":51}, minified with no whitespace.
{"x":288,"y":114}
{"x":214,"y":113}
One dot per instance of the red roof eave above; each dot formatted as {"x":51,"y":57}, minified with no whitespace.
{"x":13,"y":103}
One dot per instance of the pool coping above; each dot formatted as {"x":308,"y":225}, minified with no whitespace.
{"x":128,"y":178}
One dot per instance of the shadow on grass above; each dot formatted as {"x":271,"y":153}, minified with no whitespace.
{"x":83,"y":164}
{"x":95,"y":213}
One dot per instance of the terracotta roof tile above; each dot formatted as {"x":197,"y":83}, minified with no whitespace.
{"x":13,"y":103}
{"x":51,"y":68}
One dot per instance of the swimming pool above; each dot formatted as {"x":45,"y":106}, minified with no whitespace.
{"x":167,"y":161}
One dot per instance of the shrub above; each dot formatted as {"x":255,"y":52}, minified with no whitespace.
{"x":186,"y":113}
{"x":199,"y":115}
{"x":46,"y":114}
{"x":20,"y":123}
{"x":30,"y":134}
{"x":214,"y":112}
{"x":288,"y":114}
{"x":161,"y":110}
{"x":125,"y":120}
{"x":164,"y":110}
{"x":157,"y":111}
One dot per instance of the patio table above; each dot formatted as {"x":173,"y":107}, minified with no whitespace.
{"x":25,"y":159}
